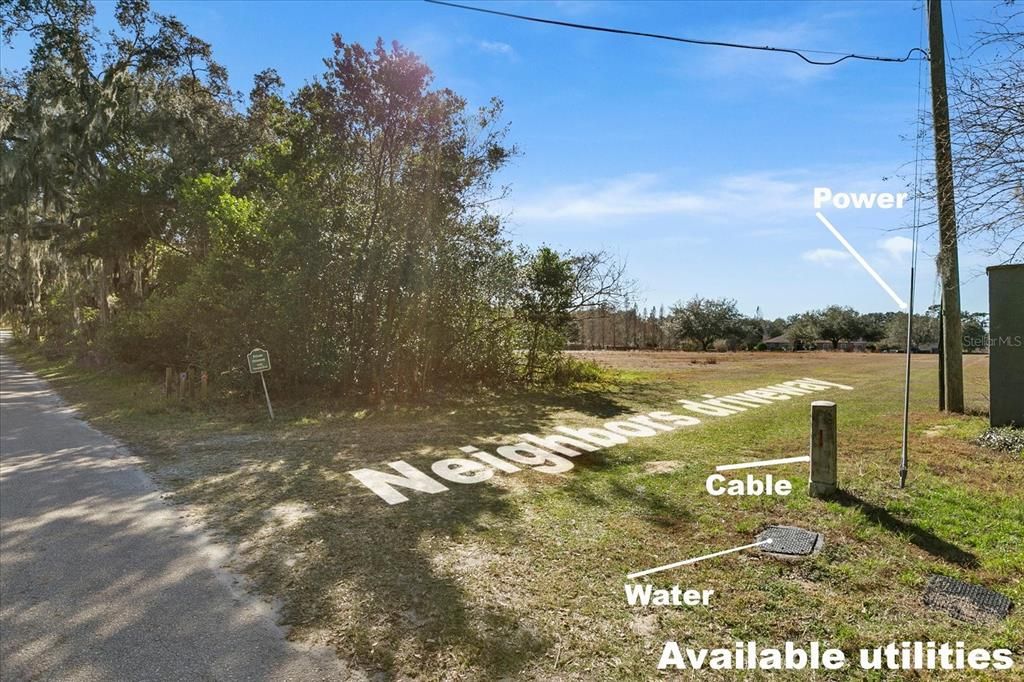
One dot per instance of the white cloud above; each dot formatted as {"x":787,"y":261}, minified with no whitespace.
{"x":632,"y":195}
{"x":775,"y":66}
{"x":897,"y":247}
{"x":770,"y":211}
{"x":771,"y":232}
{"x":497,"y":47}
{"x":826,"y":257}
{"x":801,"y":32}
{"x":737,"y":199}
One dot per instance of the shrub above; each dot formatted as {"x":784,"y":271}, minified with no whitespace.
{"x":567,"y":370}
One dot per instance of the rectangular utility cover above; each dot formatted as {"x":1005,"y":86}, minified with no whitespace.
{"x":1006,"y":344}
{"x":789,"y":540}
{"x":965,"y":601}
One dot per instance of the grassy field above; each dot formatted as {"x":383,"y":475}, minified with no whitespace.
{"x":522,"y":577}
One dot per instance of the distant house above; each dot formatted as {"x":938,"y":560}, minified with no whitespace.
{"x":783,"y":342}
{"x":860,"y":345}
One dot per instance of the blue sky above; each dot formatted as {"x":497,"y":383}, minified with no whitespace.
{"x":696,"y":164}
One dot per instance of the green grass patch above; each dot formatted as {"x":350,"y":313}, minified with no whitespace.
{"x":522,"y":577}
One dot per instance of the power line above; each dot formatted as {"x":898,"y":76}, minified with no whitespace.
{"x":956,"y":27}
{"x":802,"y":54}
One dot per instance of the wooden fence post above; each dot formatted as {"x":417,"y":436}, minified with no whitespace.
{"x":168,"y":382}
{"x":823,"y":449}
{"x":182,"y":379}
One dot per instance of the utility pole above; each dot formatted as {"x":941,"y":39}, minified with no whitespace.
{"x":949,"y":268}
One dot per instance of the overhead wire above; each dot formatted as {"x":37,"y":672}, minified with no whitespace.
{"x":955,"y":101}
{"x":801,"y":53}
{"x":956,"y":29}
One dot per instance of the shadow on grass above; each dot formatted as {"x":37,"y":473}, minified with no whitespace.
{"x":607,"y":491}
{"x":404,"y":597}
{"x":918,"y":536}
{"x":396,"y":586}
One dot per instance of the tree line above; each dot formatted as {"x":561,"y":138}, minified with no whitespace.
{"x":153,"y":216}
{"x":717,"y":324}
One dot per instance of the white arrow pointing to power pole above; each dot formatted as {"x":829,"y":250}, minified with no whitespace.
{"x":860,"y":259}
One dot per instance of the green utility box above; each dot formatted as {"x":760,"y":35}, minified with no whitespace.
{"x":1006,"y":345}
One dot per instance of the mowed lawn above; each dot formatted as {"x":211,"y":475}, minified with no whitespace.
{"x":521,"y":577}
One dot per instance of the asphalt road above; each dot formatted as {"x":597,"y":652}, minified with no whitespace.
{"x":102,"y":580}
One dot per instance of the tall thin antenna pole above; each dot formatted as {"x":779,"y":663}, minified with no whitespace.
{"x":905,"y":450}
{"x":905,"y":453}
